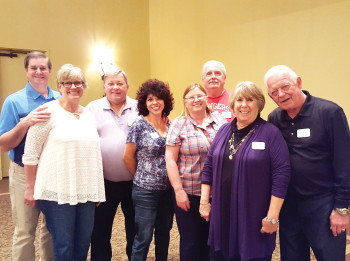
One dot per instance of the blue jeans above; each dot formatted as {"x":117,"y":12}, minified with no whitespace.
{"x":153,"y":210}
{"x":70,"y":227}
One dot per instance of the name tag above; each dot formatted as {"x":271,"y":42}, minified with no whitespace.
{"x":303,"y":133}
{"x":226,"y":114}
{"x":154,"y":135}
{"x":258,"y":145}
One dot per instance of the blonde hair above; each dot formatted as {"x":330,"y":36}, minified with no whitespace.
{"x":68,"y":72}
{"x":247,"y":89}
{"x":187,"y":90}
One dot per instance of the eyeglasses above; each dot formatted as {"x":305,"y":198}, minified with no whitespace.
{"x":69,"y":84}
{"x":192,"y":98}
{"x":274,"y":93}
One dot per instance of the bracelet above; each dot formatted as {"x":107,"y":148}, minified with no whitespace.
{"x":204,"y":203}
{"x":272,"y":221}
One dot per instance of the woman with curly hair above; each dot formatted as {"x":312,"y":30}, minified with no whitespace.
{"x":144,"y":158}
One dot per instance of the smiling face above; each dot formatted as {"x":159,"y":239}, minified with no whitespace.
{"x":246,"y":110}
{"x":38,"y":72}
{"x":154,"y":105}
{"x":214,"y":79}
{"x":73,"y":92}
{"x":195,"y":101}
{"x":286,"y":92}
{"x":116,"y":88}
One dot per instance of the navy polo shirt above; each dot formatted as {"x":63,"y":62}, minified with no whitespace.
{"x":318,"y":139}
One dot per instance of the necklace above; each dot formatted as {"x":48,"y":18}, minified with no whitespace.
{"x":77,"y":112}
{"x":234,"y":148}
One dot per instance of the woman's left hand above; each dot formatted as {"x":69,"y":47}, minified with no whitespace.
{"x":204,"y":211}
{"x":268,"y":227}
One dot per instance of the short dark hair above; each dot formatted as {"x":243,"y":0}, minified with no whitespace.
{"x":160,"y":90}
{"x":36,"y":55}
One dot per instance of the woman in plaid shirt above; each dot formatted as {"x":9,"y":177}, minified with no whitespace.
{"x":188,"y":142}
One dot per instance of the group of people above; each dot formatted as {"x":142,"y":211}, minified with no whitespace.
{"x":230,"y":177}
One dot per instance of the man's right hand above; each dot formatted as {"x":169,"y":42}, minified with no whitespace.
{"x":38,"y":115}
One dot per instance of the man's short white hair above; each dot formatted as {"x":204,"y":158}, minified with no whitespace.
{"x":214,"y":63}
{"x":280,"y":69}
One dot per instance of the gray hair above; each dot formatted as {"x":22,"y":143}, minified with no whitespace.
{"x":215,"y":63}
{"x":280,"y":69}
{"x":113,"y":70}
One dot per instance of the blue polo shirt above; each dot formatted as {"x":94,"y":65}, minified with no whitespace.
{"x":17,"y":106}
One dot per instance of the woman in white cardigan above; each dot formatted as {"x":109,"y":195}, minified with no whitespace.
{"x":63,"y":167}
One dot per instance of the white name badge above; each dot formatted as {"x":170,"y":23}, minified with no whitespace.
{"x":303,"y":133}
{"x":258,"y":145}
{"x":154,"y":135}
{"x":226,"y":114}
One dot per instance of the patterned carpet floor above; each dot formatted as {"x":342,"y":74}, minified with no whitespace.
{"x":118,"y":237}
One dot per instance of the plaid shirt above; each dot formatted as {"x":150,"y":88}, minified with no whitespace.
{"x":193,"y":148}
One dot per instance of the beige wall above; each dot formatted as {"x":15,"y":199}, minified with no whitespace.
{"x":68,"y":30}
{"x":312,"y":37}
{"x":171,"y":39}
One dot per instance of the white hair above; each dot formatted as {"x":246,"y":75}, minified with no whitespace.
{"x":280,"y":69}
{"x":214,"y":63}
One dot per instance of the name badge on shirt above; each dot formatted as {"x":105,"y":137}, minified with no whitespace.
{"x":303,"y":133}
{"x":226,"y":114}
{"x":258,"y":145}
{"x":154,"y":135}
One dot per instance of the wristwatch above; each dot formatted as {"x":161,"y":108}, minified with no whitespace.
{"x":272,"y":221}
{"x":342,"y":211}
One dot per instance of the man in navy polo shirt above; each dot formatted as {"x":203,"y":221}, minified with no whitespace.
{"x":315,"y":211}
{"x":18,"y":113}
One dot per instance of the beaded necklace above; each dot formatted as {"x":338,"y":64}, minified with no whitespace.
{"x":234,"y":148}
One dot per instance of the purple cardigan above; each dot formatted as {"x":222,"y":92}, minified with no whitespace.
{"x":257,"y":175}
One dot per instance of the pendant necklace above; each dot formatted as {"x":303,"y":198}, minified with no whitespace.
{"x":234,"y":148}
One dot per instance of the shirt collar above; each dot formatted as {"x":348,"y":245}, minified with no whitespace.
{"x":107,"y":104}
{"x":212,"y":119}
{"x":34,"y":94}
{"x":306,"y":109}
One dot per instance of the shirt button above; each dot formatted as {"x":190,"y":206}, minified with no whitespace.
{"x":292,"y":134}
{"x":292,"y":123}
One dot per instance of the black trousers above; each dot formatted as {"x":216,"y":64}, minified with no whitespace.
{"x":194,"y":231}
{"x":116,"y":192}
{"x":304,"y":223}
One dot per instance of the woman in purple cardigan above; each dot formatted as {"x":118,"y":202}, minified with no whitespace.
{"x":248,"y":170}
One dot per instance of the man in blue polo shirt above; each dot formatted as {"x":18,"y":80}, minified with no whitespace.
{"x":315,"y":211}
{"x":18,"y":113}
